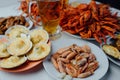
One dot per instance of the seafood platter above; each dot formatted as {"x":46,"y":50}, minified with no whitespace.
{"x":23,"y":46}
{"x":90,"y":21}
{"x":76,"y":60}
{"x":20,"y":50}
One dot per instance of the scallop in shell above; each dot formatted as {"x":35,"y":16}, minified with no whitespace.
{"x":38,"y":35}
{"x":38,"y":52}
{"x":19,"y":46}
{"x":12,"y":62}
{"x":16,"y":31}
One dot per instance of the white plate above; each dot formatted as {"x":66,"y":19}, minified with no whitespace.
{"x":101,"y":58}
{"x":116,"y":61}
{"x":113,"y":10}
{"x":78,"y":36}
{"x":10,"y":8}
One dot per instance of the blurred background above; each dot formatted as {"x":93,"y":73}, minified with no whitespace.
{"x":113,"y":3}
{"x":6,"y":3}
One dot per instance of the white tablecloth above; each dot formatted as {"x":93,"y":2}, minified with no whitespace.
{"x":8,"y":7}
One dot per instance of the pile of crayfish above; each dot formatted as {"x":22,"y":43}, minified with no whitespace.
{"x":90,"y":21}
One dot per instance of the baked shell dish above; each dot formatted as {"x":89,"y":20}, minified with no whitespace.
{"x":19,"y":46}
{"x":16,"y":31}
{"x":24,"y":46}
{"x":38,"y":52}
{"x":112,"y":48}
{"x":38,"y":35}
{"x":12,"y":62}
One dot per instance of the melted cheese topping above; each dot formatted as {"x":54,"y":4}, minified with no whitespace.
{"x":12,"y":62}
{"x":15,"y":32}
{"x":38,"y":35}
{"x":39,"y":51}
{"x":19,"y":46}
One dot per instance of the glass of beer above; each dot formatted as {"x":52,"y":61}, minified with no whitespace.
{"x":49,"y":11}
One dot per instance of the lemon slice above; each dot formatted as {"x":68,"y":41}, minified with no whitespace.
{"x":38,"y":52}
{"x":19,"y":46}
{"x":12,"y":62}
{"x":3,"y":50}
{"x":16,"y":31}
{"x":38,"y":35}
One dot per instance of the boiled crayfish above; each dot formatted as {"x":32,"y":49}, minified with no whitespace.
{"x":90,"y":21}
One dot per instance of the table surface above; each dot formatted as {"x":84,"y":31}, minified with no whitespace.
{"x":38,"y":73}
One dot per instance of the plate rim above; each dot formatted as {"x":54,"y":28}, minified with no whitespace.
{"x":79,"y":37}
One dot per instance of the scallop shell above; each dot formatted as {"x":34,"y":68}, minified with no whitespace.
{"x":16,"y":31}
{"x":38,"y":52}
{"x":38,"y":35}
{"x":19,"y":46}
{"x":12,"y":62}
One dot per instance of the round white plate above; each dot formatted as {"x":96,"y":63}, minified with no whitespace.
{"x":113,"y":10}
{"x":116,"y":61}
{"x":78,"y":36}
{"x":101,"y":58}
{"x":10,"y":8}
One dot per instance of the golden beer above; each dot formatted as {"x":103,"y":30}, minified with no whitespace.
{"x":49,"y":11}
